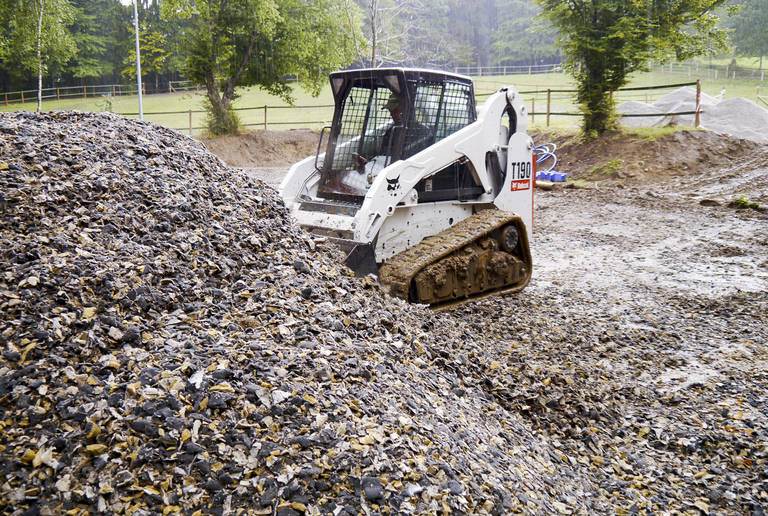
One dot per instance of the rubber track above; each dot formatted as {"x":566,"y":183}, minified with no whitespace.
{"x":398,"y":271}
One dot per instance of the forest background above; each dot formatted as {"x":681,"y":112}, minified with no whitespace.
{"x":92,"y":42}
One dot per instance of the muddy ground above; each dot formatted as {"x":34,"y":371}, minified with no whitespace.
{"x":265,"y":154}
{"x":640,"y":347}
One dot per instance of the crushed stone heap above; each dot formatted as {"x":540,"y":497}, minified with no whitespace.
{"x":172,"y":343}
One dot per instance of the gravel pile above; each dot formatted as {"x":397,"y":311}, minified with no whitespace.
{"x":737,"y":117}
{"x":172,"y":343}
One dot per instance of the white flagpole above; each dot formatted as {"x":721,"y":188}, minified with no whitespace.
{"x":138,"y":58}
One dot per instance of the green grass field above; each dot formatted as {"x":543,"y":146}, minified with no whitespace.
{"x":185,"y":109}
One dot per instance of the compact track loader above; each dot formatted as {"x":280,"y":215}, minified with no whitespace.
{"x":419,"y":186}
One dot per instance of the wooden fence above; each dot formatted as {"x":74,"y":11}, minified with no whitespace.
{"x":551,"y":103}
{"x":552,"y":99}
{"x":761,"y":98}
{"x":85,"y":92}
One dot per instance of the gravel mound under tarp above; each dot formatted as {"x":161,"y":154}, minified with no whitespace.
{"x":172,"y":343}
{"x":737,"y":117}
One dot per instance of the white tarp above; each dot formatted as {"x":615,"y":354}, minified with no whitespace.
{"x":737,"y":117}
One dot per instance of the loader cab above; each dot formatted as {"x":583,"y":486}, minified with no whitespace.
{"x":367,"y":135}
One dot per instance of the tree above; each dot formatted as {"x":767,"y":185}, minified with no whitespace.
{"x":153,"y":54}
{"x":102,"y":31}
{"x":36,"y":36}
{"x":521,"y":37}
{"x":263,"y":43}
{"x":749,"y":33}
{"x":393,"y":27}
{"x":607,"y":40}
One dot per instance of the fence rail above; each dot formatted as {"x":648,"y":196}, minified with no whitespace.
{"x":691,"y":69}
{"x":480,"y":71}
{"x":713,"y":71}
{"x":761,"y":98}
{"x":85,"y":92}
{"x":542,"y":102}
{"x":558,"y":98}
{"x":553,"y":99}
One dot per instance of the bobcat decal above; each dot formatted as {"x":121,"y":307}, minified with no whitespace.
{"x":393,"y":184}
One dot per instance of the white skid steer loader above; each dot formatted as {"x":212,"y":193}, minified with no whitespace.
{"x":421,"y":187}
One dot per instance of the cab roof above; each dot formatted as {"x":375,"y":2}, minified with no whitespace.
{"x":394,"y":77}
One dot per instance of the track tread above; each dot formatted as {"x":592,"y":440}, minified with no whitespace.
{"x":399,"y":270}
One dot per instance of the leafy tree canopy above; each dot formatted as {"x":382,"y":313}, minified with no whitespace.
{"x":260,"y":43}
{"x":607,"y":40}
{"x":102,"y":33}
{"x":19,"y":39}
{"x":750,"y":28}
{"x":153,"y":53}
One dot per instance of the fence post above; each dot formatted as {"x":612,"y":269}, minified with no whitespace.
{"x":22,"y":96}
{"x":549,"y":103}
{"x":85,"y":92}
{"x":533,"y":108}
{"x":265,"y":117}
{"x":762,"y":75}
{"x":698,"y":103}
{"x":190,"y":121}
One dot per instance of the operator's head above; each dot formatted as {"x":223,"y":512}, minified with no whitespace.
{"x":394,"y":107}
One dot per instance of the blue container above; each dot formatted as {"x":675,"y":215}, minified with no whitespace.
{"x":558,"y":176}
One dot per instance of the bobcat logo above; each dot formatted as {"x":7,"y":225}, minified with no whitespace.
{"x":393,"y":184}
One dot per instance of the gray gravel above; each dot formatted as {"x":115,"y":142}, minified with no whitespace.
{"x":640,"y":348}
{"x":172,"y":343}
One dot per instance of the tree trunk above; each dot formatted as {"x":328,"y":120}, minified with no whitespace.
{"x":374,"y":8}
{"x":596,"y":101}
{"x":221,"y":118}
{"x":40,"y":57}
{"x":358,"y":50}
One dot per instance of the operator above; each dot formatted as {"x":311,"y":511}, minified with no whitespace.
{"x":396,"y":112}
{"x":395,"y":109}
{"x":417,"y":136}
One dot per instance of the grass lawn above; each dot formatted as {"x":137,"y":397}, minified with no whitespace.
{"x":180,"y":110}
